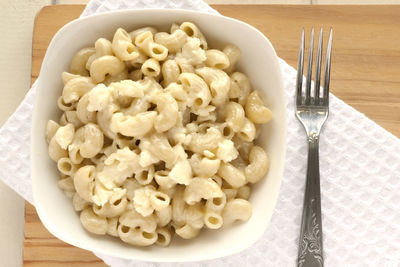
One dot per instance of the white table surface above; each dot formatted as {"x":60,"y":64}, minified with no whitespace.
{"x":16,"y":24}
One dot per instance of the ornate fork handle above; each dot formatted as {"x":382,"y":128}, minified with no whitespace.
{"x":310,"y":246}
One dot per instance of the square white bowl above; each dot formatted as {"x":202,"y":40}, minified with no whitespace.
{"x":259,"y":61}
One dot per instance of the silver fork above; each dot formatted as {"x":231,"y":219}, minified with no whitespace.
{"x":312,"y":111}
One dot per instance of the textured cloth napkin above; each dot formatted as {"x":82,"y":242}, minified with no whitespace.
{"x":360,"y":178}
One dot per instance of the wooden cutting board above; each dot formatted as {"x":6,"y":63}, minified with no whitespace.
{"x":365,"y":74}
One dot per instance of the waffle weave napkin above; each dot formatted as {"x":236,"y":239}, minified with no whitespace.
{"x":360,"y":178}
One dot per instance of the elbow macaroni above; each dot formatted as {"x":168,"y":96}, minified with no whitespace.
{"x":233,"y":54}
{"x":157,"y":134}
{"x":123,"y":47}
{"x":255,"y":109}
{"x":103,"y":47}
{"x":173,"y":41}
{"x":170,"y":71}
{"x":217,"y":59}
{"x":218,"y":82}
{"x":78,"y":62}
{"x":151,"y":68}
{"x":259,"y":165}
{"x":146,"y":43}
{"x":104,"y":66}
{"x":75,"y":88}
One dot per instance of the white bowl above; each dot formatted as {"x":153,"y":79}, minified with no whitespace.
{"x":259,"y":61}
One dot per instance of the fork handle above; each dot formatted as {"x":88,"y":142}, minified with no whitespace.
{"x":310,"y":242}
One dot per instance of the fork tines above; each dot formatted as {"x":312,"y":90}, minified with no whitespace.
{"x":314,"y":99}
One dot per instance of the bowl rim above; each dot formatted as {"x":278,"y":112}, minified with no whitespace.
{"x":35,"y":117}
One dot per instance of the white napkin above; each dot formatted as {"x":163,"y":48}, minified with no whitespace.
{"x":360,"y":178}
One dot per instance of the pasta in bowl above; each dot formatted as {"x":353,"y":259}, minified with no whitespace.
{"x":157,"y":136}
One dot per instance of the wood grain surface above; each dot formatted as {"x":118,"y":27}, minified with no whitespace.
{"x":365,"y":74}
